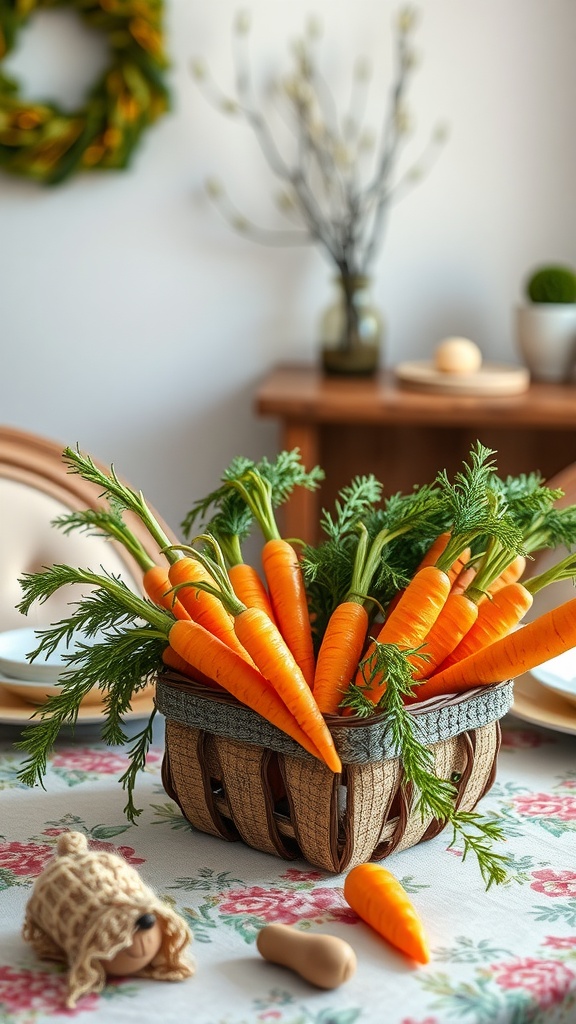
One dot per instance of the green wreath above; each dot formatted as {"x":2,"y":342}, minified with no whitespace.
{"x":39,"y":140}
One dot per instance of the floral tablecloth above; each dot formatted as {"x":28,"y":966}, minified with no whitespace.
{"x":506,"y":955}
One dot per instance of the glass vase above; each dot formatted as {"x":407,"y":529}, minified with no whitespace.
{"x":351,"y":330}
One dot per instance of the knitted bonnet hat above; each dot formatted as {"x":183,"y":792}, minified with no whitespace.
{"x":83,"y":910}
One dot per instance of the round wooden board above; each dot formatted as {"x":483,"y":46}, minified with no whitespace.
{"x":490,"y":379}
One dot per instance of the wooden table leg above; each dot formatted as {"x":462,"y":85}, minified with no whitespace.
{"x":300,"y":515}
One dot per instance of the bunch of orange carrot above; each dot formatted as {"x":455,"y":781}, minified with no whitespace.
{"x":440,"y":574}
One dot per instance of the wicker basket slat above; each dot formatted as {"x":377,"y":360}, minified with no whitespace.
{"x":187,"y":779}
{"x":369,"y":792}
{"x":449,"y":759}
{"x":312,"y":792}
{"x":486,"y":742}
{"x":248,"y":794}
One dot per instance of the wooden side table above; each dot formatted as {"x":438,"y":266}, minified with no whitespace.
{"x":353,"y":427}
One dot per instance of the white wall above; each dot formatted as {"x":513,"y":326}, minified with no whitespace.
{"x":135,"y":322}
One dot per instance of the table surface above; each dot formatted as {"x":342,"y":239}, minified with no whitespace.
{"x":299,"y":391}
{"x":506,"y":955}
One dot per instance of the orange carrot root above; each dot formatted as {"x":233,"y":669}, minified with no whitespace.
{"x":339,"y":654}
{"x":157,"y":585}
{"x":175,"y":661}
{"x":454,"y":621}
{"x":410,"y":622}
{"x":382,"y":902}
{"x":204,"y":608}
{"x":272,"y":656}
{"x":249,"y":588}
{"x":216,"y":660}
{"x":523,"y":649}
{"x":290,"y":603}
{"x":459,"y":564}
{"x":496,"y":617}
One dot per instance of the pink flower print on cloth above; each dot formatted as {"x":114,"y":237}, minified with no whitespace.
{"x":25,"y":858}
{"x":546,"y":805}
{"x":287,"y":907}
{"x":554,"y":883}
{"x":548,"y":981}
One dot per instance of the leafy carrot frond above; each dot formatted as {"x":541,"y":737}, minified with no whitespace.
{"x":327,"y":571}
{"x":231,"y":525}
{"x":288,"y":472}
{"x":434,"y":796}
{"x":563,"y":570}
{"x":282,"y":476}
{"x":531,"y":506}
{"x":353,"y":504}
{"x":423,"y":508}
{"x":526,"y":495}
{"x":39,"y":586}
{"x":137,"y":754}
{"x":477,"y":835}
{"x":108,"y":524}
{"x":113,"y":488}
{"x":212,"y":501}
{"x":94,"y":615}
{"x":120,"y":664}
{"x":476,"y":508}
{"x":328,"y":566}
{"x":125,"y":657}
{"x":554,"y":528}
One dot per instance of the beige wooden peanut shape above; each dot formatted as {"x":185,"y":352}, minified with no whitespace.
{"x":324,"y":960}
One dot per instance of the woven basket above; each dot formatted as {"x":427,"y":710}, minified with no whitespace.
{"x":236,"y":776}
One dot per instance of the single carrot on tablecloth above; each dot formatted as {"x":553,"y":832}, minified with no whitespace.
{"x":381,"y":901}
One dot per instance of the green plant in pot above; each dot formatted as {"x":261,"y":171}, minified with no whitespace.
{"x":338,"y":176}
{"x":546,"y":323}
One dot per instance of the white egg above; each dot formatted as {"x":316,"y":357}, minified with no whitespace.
{"x":457,"y":355}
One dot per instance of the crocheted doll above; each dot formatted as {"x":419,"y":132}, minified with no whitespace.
{"x":93,"y":911}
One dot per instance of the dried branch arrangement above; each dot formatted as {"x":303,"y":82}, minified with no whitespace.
{"x":338,"y":176}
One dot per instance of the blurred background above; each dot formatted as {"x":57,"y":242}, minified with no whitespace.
{"x":137,"y":324}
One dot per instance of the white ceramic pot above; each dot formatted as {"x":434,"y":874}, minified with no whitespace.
{"x":546,"y":339}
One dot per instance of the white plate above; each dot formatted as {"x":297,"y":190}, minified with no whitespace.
{"x":559,"y":674}
{"x":17,"y":644}
{"x":538,"y":705}
{"x":14,"y":711}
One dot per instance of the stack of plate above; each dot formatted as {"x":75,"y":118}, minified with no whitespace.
{"x":33,"y":681}
{"x":26,"y":684}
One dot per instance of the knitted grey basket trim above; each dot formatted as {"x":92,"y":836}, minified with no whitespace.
{"x":359,"y":743}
